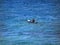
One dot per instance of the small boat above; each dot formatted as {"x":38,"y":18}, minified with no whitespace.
{"x":31,"y":21}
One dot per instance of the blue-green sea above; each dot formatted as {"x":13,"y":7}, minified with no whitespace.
{"x":15,"y":30}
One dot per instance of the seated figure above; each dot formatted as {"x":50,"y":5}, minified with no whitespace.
{"x":31,"y":21}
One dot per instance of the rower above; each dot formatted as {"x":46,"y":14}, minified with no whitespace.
{"x":31,"y":21}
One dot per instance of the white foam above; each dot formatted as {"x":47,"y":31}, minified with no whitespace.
{"x":28,"y":20}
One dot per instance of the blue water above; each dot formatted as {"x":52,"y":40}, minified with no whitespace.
{"x":15,"y":30}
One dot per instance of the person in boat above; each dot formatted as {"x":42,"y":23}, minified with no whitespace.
{"x":31,"y":21}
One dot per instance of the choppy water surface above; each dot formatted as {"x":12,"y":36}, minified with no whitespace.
{"x":15,"y":30}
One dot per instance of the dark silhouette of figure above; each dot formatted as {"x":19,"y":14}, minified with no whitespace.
{"x":31,"y":21}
